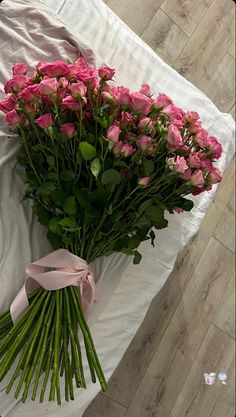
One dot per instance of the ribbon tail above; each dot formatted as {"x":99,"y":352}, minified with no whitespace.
{"x":19,"y":304}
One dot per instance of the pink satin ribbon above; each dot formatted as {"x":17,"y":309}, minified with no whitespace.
{"x":67,"y":269}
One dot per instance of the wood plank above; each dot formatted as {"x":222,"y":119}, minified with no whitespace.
{"x":225,"y":315}
{"x":206,"y":48}
{"x":225,"y":229}
{"x":170,"y":365}
{"x":129,"y":373}
{"x":164,"y":37}
{"x":224,"y":95}
{"x":187,"y":14}
{"x":233,"y":112}
{"x":232,"y":48}
{"x":104,"y":407}
{"x":225,"y":402}
{"x":136,"y":13}
{"x":196,"y":399}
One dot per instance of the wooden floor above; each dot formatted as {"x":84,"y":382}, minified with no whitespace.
{"x":189,"y":328}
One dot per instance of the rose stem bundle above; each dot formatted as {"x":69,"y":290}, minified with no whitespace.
{"x":46,"y":337}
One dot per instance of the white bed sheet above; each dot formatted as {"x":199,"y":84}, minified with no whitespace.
{"x":30,"y":31}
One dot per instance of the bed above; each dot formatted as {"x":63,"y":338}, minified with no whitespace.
{"x":30,"y":31}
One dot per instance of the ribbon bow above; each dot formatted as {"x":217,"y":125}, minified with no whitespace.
{"x":57,"y":270}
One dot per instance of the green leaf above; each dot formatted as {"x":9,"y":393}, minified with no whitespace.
{"x":70,"y":205}
{"x":90,"y":138}
{"x":121,"y":164}
{"x":144,"y":205}
{"x":55,"y":240}
{"x":52,"y":176}
{"x":67,"y":175}
{"x":156,"y":215}
{"x":79,"y":157}
{"x":99,"y":198}
{"x":51,"y":160}
{"x":187,"y":205}
{"x":111,"y":176}
{"x":88,"y":151}
{"x":42,"y":214}
{"x":54,"y":226}
{"x":148,"y":166}
{"x":82,"y":197}
{"x":58,"y":198}
{"x":96,"y":167}
{"x":137,"y":257}
{"x":38,"y":147}
{"x":46,"y":189}
{"x":68,"y":223}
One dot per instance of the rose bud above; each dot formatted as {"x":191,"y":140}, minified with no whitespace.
{"x":197,"y":179}
{"x":54,"y":69}
{"x":7,"y":104}
{"x":19,"y":69}
{"x":48,"y":86}
{"x":13,"y":118}
{"x":71,"y":103}
{"x":144,"y":142}
{"x":78,"y":89}
{"x":106,"y":72}
{"x":145,"y":89}
{"x":180,"y":165}
{"x":113,"y":132}
{"x":44,"y":121}
{"x":29,"y":93}
{"x":215,"y":176}
{"x":127,"y":150}
{"x":67,"y":129}
{"x":144,"y":181}
{"x":141,"y":103}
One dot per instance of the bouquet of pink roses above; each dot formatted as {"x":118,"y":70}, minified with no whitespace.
{"x":101,"y":164}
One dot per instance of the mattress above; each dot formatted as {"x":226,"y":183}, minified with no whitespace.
{"x":30,"y":31}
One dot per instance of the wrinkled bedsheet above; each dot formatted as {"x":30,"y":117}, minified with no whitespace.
{"x":30,"y":31}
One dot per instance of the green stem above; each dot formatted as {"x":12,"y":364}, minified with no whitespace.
{"x":48,"y":321}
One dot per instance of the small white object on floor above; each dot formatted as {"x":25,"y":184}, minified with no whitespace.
{"x":210,"y":379}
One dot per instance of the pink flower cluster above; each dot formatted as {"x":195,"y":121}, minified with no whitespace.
{"x":138,"y":123}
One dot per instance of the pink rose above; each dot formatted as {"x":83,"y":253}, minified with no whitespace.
{"x":40,"y":65}
{"x":19,"y":69}
{"x":180,"y":165}
{"x":123,"y":95}
{"x":177,"y":122}
{"x":106,"y":73}
{"x":215,"y":176}
{"x":201,"y":138}
{"x":195,"y":127}
{"x":191,"y":117}
{"x":78,"y":89}
{"x":175,"y":113}
{"x":29,"y":93}
{"x":71,"y":103}
{"x":140,"y":103}
{"x":67,"y":129}
{"x":178,"y":210}
{"x":113,"y":132}
{"x":214,"y":146}
{"x":194,"y":161}
{"x":117,"y":148}
{"x":145,"y":89}
{"x":48,"y":86}
{"x":62,"y":83}
{"x":126,"y":118}
{"x":13,"y":118}
{"x":146,"y":123}
{"x":8,"y":104}
{"x":161,"y":101}
{"x":206,"y":165}
{"x":144,"y":142}
{"x":174,"y":137}
{"x":144,"y":181}
{"x":16,"y":83}
{"x":44,"y":121}
{"x":87,"y":74}
{"x":197,"y":179}
{"x":127,"y":149}
{"x":107,"y":96}
{"x":30,"y":108}
{"x":186,"y":176}
{"x":81,"y":63}
{"x":54,"y":69}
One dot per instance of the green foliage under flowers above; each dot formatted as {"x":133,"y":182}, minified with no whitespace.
{"x":88,"y":197}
